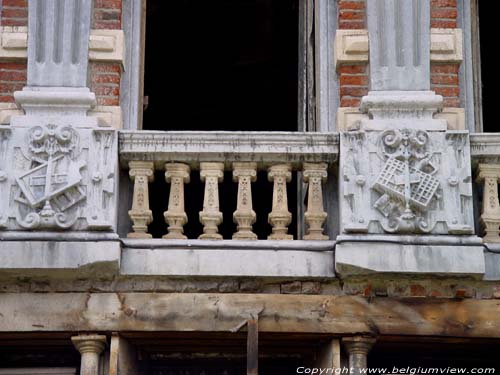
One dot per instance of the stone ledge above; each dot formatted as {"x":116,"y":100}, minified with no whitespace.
{"x":59,"y":259}
{"x":353,"y":259}
{"x":212,"y":262}
{"x":350,"y":118}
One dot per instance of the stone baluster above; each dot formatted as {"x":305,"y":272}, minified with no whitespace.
{"x":177,"y":175}
{"x":315,"y":216}
{"x":280,"y":218}
{"x":357,"y":348}
{"x":490,"y":217}
{"x":90,"y":347}
{"x":141,"y":172}
{"x":212,"y":174}
{"x":244,"y":216}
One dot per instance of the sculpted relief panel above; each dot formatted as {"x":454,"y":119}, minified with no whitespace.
{"x":57,"y":177}
{"x":406,"y":181}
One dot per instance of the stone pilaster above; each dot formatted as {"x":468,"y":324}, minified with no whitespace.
{"x":315,"y":175}
{"x":244,"y":216}
{"x":212,"y":174}
{"x":141,"y":173}
{"x":90,"y":347}
{"x":400,"y":96}
{"x":177,"y":175}
{"x":280,"y":217}
{"x":489,"y":174}
{"x":357,"y":348}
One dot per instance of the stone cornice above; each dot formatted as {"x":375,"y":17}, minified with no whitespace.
{"x":485,"y":148}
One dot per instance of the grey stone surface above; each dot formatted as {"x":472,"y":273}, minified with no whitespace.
{"x":492,"y":261}
{"x":353,"y":259}
{"x":399,"y":32}
{"x":265,"y":148}
{"x":64,"y":259}
{"x":58,"y":39}
{"x":485,"y":148}
{"x":405,"y":182}
{"x":195,"y":262}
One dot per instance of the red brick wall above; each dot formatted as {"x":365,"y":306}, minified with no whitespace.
{"x":444,"y":76}
{"x":104,"y":77}
{"x":14,"y":13}
{"x":353,"y":79}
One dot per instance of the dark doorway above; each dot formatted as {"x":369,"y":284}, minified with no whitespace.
{"x":221,"y":65}
{"x":489,"y":77}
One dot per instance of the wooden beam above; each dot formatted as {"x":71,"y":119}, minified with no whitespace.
{"x":335,"y":315}
{"x":253,"y":347}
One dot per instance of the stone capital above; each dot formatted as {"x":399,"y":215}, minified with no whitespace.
{"x":358,"y":344}
{"x":94,"y":344}
{"x":488,"y":171}
{"x":208,"y":169}
{"x":245,"y":169}
{"x":318,"y":170}
{"x":177,"y":170}
{"x":141,"y":168}
{"x":280,"y":170}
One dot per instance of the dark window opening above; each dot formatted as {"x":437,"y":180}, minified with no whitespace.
{"x":489,"y":77}
{"x":221,"y":65}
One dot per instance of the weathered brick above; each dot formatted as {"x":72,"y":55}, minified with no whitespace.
{"x":449,"y":91}
{"x":353,"y":80}
{"x":444,"y":24}
{"x":444,"y":79}
{"x":354,"y":25}
{"x":352,"y":5}
{"x":417,"y":290}
{"x":354,"y":91}
{"x":15,"y":3}
{"x":352,"y":69}
{"x":445,"y":14}
{"x":445,"y":68}
{"x":352,"y":15}
{"x":350,"y":102}
{"x":294,"y":287}
{"x":311,"y":287}
{"x":444,"y":3}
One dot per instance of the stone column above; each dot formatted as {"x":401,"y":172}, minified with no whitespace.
{"x":315,"y":175}
{"x":177,"y":175}
{"x":58,"y":41}
{"x":212,"y":174}
{"x":141,"y":172}
{"x":90,"y":347}
{"x":357,"y":348}
{"x":244,"y":216}
{"x":280,"y":217}
{"x":400,"y":96}
{"x":490,"y":216}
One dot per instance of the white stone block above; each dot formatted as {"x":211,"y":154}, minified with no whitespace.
{"x":7,"y":111}
{"x":13,"y":42}
{"x":351,"y":47}
{"x":361,"y":258}
{"x":446,"y":45}
{"x":349,"y":118}
{"x":72,"y":259}
{"x":107,"y":45}
{"x":108,"y":116}
{"x":455,"y":117}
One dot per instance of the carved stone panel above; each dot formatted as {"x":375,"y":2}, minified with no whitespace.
{"x":405,"y":181}
{"x":54,"y":176}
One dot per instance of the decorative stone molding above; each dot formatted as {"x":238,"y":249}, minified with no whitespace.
{"x":244,"y":173}
{"x":39,"y":371}
{"x":280,"y":218}
{"x":358,"y":348}
{"x":104,"y":45}
{"x":315,"y":216}
{"x":177,"y":175}
{"x":212,"y":174}
{"x":489,"y":174}
{"x":446,"y":45}
{"x":90,"y":347}
{"x":142,"y":173}
{"x":405,"y":181}
{"x":455,"y":117}
{"x":351,"y":47}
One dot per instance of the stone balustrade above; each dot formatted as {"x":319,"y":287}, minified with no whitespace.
{"x":180,"y":154}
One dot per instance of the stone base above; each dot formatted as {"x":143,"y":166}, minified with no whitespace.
{"x":59,"y":259}
{"x":227,"y":258}
{"x":401,"y":110}
{"x":363,"y":258}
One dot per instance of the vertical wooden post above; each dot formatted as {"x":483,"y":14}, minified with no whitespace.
{"x":253,"y":347}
